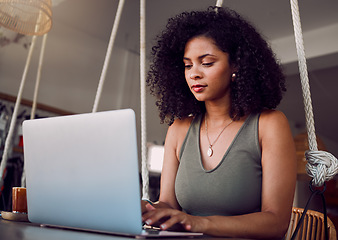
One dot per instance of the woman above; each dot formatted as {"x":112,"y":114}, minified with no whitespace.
{"x":229,"y":165}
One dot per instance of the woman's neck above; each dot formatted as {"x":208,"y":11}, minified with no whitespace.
{"x":217,"y":112}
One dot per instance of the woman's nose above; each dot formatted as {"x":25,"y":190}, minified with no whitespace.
{"x":195,"y":74}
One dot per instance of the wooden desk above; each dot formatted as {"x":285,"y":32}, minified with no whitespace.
{"x":10,"y":230}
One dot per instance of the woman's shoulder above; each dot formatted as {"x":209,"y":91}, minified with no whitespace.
{"x":273,"y":123}
{"x":180,"y":125}
{"x":176,"y":134}
{"x":179,"y":129}
{"x":272,"y":116}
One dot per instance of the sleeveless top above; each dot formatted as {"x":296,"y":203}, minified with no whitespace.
{"x":233,"y":187}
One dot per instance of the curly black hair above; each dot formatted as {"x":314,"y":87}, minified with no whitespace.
{"x":259,"y":83}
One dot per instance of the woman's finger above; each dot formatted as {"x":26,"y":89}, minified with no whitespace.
{"x":156,"y":215}
{"x":173,"y":219}
{"x":150,"y":207}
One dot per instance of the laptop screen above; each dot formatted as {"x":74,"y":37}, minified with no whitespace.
{"x":82,"y":171}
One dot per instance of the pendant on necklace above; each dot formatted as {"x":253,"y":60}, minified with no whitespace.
{"x":210,"y":152}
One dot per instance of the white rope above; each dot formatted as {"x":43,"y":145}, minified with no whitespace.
{"x":321,"y":166}
{"x":108,"y":55}
{"x":35,"y":96}
{"x":8,"y":141}
{"x":219,"y":3}
{"x":38,"y":76}
{"x":145,"y":173}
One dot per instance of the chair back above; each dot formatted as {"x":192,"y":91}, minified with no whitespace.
{"x":312,"y":227}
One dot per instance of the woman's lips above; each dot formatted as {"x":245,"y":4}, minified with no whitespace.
{"x":197,"y":88}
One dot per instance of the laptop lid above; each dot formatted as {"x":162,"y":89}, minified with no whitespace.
{"x":82,"y":171}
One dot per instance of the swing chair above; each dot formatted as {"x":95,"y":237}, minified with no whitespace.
{"x":321,"y":166}
{"x":313,"y":226}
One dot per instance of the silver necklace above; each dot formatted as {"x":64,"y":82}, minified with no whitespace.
{"x":210,"y":151}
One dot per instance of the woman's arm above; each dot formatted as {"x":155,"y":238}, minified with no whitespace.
{"x":278,"y":184}
{"x":174,"y":139}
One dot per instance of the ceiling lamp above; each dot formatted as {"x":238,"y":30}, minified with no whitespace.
{"x":29,"y":17}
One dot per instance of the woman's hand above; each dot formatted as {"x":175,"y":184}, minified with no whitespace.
{"x":172,"y":219}
{"x":143,"y":205}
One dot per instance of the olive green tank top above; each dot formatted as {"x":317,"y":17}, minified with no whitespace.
{"x":233,"y":187}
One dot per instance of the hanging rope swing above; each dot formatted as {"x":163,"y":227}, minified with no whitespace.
{"x":35,"y":96}
{"x":8,"y":142}
{"x":219,"y":3}
{"x":145,"y":174}
{"x":321,"y":166}
{"x":144,"y":165}
{"x":108,"y":55}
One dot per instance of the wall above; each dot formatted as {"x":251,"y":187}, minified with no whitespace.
{"x":74,"y":89}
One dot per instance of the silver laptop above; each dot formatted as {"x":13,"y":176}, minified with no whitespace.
{"x":82,"y":172}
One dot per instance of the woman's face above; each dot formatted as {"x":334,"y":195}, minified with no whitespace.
{"x":207,"y":69}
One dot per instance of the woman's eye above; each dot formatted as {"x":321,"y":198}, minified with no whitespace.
{"x":187,"y":66}
{"x":208,"y":64}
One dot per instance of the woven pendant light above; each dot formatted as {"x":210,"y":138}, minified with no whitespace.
{"x":29,"y":17}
